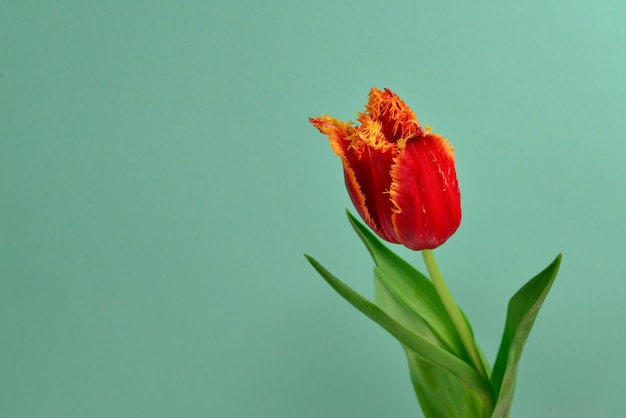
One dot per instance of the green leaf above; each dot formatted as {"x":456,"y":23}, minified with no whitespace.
{"x":429,"y":355}
{"x":398,"y":306}
{"x":522,"y":311}
{"x":409,"y":294}
{"x":440,"y":393}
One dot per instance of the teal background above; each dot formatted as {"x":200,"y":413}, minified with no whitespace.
{"x":159,"y":182}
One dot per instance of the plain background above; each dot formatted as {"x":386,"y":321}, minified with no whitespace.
{"x":159,"y":183}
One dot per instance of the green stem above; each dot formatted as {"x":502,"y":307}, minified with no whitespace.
{"x":453,"y":310}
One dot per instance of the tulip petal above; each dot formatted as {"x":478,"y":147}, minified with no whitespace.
{"x":341,"y":136}
{"x":397,"y":120}
{"x":372,"y":171}
{"x":426,"y":193}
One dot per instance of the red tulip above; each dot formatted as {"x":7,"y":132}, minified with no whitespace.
{"x":400,"y":176}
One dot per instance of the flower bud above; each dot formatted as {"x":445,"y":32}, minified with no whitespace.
{"x":401,"y":177}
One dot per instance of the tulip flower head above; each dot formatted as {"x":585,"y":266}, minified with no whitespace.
{"x":401,"y":177}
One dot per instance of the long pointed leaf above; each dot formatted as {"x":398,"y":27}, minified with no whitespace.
{"x":409,"y":288}
{"x":398,"y":305}
{"x":418,"y":345}
{"x":440,"y":393}
{"x":522,"y":312}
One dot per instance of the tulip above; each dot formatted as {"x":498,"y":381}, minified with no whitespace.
{"x":400,"y":177}
{"x":402,"y":180}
